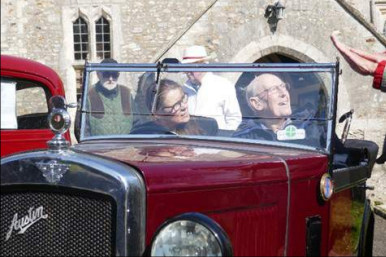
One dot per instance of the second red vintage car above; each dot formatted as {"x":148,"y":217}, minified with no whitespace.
{"x":26,"y":87}
{"x":150,"y":179}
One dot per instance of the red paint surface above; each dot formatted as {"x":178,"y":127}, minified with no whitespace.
{"x":305,"y":176}
{"x":245,"y":191}
{"x":22,"y":140}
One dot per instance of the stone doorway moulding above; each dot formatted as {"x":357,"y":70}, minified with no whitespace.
{"x":281,"y":44}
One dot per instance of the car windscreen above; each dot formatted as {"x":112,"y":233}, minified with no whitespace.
{"x":282,"y":104}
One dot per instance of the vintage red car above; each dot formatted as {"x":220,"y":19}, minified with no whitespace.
{"x":26,"y":87}
{"x":181,"y":185}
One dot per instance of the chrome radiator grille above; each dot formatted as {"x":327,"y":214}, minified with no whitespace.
{"x":47,"y":223}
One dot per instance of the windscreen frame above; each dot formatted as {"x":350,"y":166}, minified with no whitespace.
{"x":330,"y":68}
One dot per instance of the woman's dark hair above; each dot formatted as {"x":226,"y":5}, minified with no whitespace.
{"x":165,"y":86}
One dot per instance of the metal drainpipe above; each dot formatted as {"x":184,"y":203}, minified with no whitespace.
{"x":371,"y":12}
{"x":180,"y":35}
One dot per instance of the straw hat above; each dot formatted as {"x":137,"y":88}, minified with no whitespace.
{"x":195,"y":54}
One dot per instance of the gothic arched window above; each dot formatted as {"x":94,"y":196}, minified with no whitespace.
{"x":103,"y":42}
{"x":80,"y":39}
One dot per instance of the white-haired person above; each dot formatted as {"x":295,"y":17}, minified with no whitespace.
{"x":268,"y":97}
{"x":210,"y":95}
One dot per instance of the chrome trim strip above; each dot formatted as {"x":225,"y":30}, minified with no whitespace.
{"x":332,"y":106}
{"x":327,"y":67}
{"x":96,"y":174}
{"x":333,"y":111}
{"x":82,"y":109}
{"x":330,"y":131}
{"x":206,"y":138}
{"x":288,"y":204}
{"x":349,"y":177}
{"x":212,"y":69}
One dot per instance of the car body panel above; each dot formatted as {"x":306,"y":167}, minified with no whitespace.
{"x":305,"y":203}
{"x":244,"y":189}
{"x":13,"y":141}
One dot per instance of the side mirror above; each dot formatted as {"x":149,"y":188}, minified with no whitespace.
{"x":57,"y":102}
{"x":346,"y":117}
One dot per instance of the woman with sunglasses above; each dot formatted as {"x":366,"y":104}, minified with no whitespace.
{"x":168,"y":106}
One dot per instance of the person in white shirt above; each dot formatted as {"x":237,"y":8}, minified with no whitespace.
{"x":210,"y":95}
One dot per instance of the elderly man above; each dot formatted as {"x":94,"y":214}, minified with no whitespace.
{"x":267,"y":95}
{"x":210,"y":95}
{"x":110,"y":105}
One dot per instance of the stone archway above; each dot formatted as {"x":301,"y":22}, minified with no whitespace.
{"x":284,"y":45}
{"x":277,"y":58}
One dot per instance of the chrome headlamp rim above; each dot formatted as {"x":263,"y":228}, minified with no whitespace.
{"x":326,"y":187}
{"x":214,"y":228}
{"x":64,"y":115}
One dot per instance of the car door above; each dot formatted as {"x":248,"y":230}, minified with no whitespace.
{"x":349,"y":207}
{"x":24,"y":109}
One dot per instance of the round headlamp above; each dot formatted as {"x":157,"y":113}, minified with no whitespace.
{"x":191,"y":234}
{"x":326,"y":187}
{"x":59,"y":119}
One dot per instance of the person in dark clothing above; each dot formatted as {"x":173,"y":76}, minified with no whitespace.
{"x":368,"y":65}
{"x":267,"y":95}
{"x":169,"y":108}
{"x":145,"y":81}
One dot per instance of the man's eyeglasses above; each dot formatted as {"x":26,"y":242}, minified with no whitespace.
{"x":112,"y":74}
{"x":275,"y":89}
{"x":177,"y":106}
